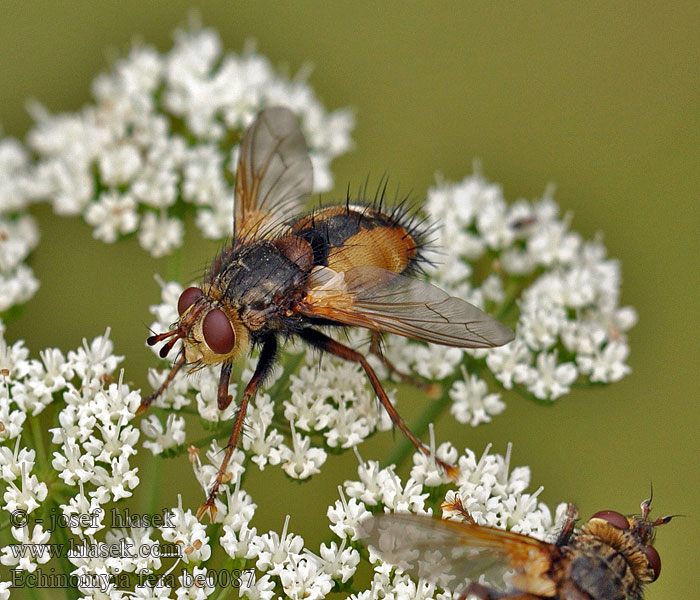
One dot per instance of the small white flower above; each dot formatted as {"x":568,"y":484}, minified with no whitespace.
{"x":116,"y":483}
{"x":339,"y":563}
{"x":551,"y":380}
{"x":240,"y":508}
{"x":262,"y":589}
{"x":119,"y":164}
{"x":17,"y":287}
{"x":115,"y":441}
{"x":12,"y":462}
{"x":96,"y":359}
{"x":5,"y":590}
{"x":138,"y":551}
{"x":492,"y":224}
{"x":207,"y":474}
{"x":116,"y":405}
{"x":149,"y":591}
{"x":369,"y":487}
{"x":27,"y":560}
{"x":215,"y":223}
{"x":541,"y":326}
{"x":14,"y":176}
{"x":18,"y":237}
{"x":505,"y":361}
{"x":553,"y":243}
{"x":403,"y":498}
{"x":275,"y":550}
{"x":263,"y":443}
{"x":344,"y":516}
{"x":175,"y":395}
{"x":606,"y":365}
{"x":301,"y":461}
{"x":240,"y":543}
{"x":13,"y":359}
{"x":171,"y":437}
{"x":492,"y":287}
{"x":12,"y":419}
{"x":187,"y":532}
{"x":203,"y":175}
{"x":435,"y":362}
{"x":302,"y":579}
{"x":156,"y":185}
{"x":426,"y":470}
{"x":80,"y":504}
{"x":471,"y":402}
{"x":72,"y":465}
{"x":113,"y":214}
{"x":26,"y":496}
{"x":159,"y":234}
{"x":196,"y":585}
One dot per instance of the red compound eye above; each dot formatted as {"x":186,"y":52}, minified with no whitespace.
{"x":218,"y":333}
{"x":188,"y":298}
{"x":654,"y":560}
{"x":614,"y":518}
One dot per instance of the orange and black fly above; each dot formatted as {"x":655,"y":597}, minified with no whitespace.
{"x":286,"y":275}
{"x":611,"y":557}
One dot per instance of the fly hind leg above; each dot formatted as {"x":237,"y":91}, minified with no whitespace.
{"x":432,"y":389}
{"x":326,"y":344}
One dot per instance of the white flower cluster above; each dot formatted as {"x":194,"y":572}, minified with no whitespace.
{"x":164,"y":128}
{"x":18,"y":231}
{"x":487,"y":489}
{"x":283,"y":566}
{"x":522,"y":264}
{"x":95,"y":440}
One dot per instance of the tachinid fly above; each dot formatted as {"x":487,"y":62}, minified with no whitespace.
{"x":611,"y":557}
{"x":285,"y":275}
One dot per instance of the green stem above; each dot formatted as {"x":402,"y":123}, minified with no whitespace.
{"x":66,"y":565}
{"x":174,"y":265}
{"x":154,"y":478}
{"x":39,"y":444}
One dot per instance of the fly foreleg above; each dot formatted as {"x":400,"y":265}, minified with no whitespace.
{"x":265,"y":363}
{"x":146,"y":402}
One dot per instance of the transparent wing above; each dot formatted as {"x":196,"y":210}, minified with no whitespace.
{"x":447,"y":553}
{"x":274,"y":177}
{"x":378,"y":299}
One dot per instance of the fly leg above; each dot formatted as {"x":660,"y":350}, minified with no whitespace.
{"x":458,"y":506}
{"x":223,"y":398}
{"x":375,"y":348}
{"x":484,"y":593}
{"x":265,"y":363}
{"x":146,"y":402}
{"x":567,"y":529}
{"x":325,"y":344}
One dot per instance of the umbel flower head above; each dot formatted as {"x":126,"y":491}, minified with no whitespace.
{"x":164,"y":130}
{"x":162,"y":133}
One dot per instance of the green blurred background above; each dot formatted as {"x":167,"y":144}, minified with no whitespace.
{"x":599,"y":98}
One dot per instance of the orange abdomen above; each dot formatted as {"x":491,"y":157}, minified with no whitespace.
{"x":343,"y":237}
